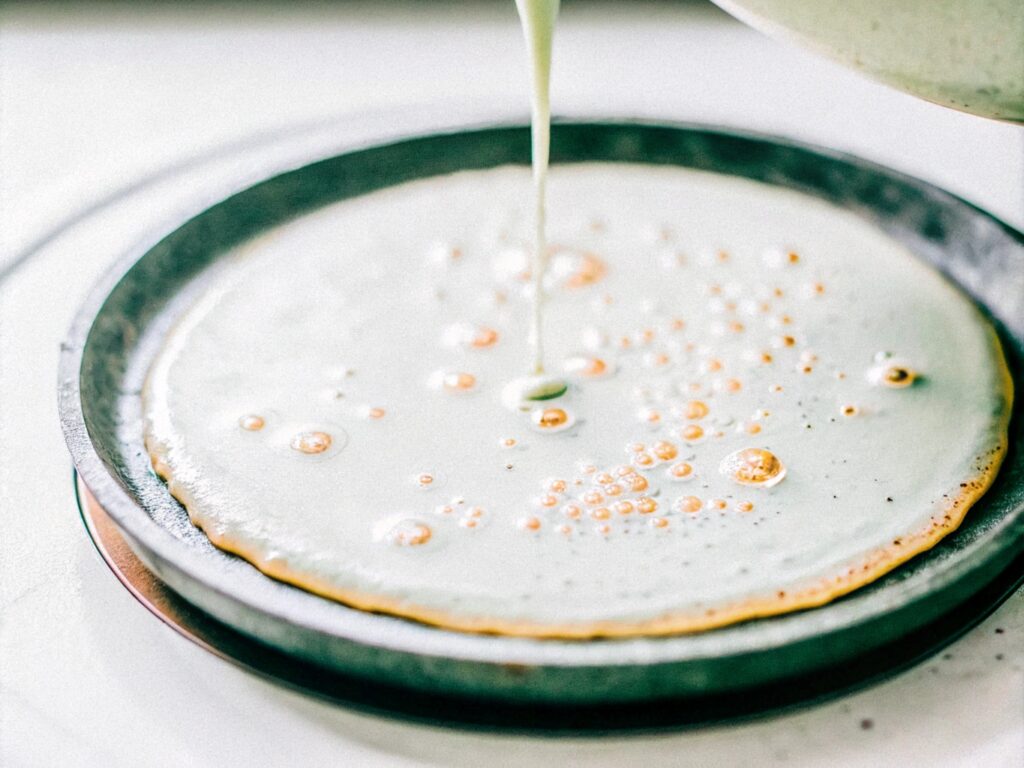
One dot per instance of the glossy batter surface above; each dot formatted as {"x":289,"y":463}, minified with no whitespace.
{"x":770,"y":403}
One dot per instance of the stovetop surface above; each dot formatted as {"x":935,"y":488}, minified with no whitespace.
{"x":92,"y":106}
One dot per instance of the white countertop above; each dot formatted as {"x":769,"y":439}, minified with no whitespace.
{"x":95,"y":97}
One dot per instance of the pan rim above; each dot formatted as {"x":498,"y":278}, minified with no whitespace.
{"x":422,"y":640}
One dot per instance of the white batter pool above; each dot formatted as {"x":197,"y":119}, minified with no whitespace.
{"x":770,"y":403}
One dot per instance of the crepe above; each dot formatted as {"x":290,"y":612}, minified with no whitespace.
{"x":767,"y":403}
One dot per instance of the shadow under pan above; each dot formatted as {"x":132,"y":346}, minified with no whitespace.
{"x":554,"y":719}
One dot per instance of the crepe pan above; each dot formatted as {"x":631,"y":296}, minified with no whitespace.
{"x":121,"y":325}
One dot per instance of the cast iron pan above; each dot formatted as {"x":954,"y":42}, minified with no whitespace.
{"x":121,"y":326}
